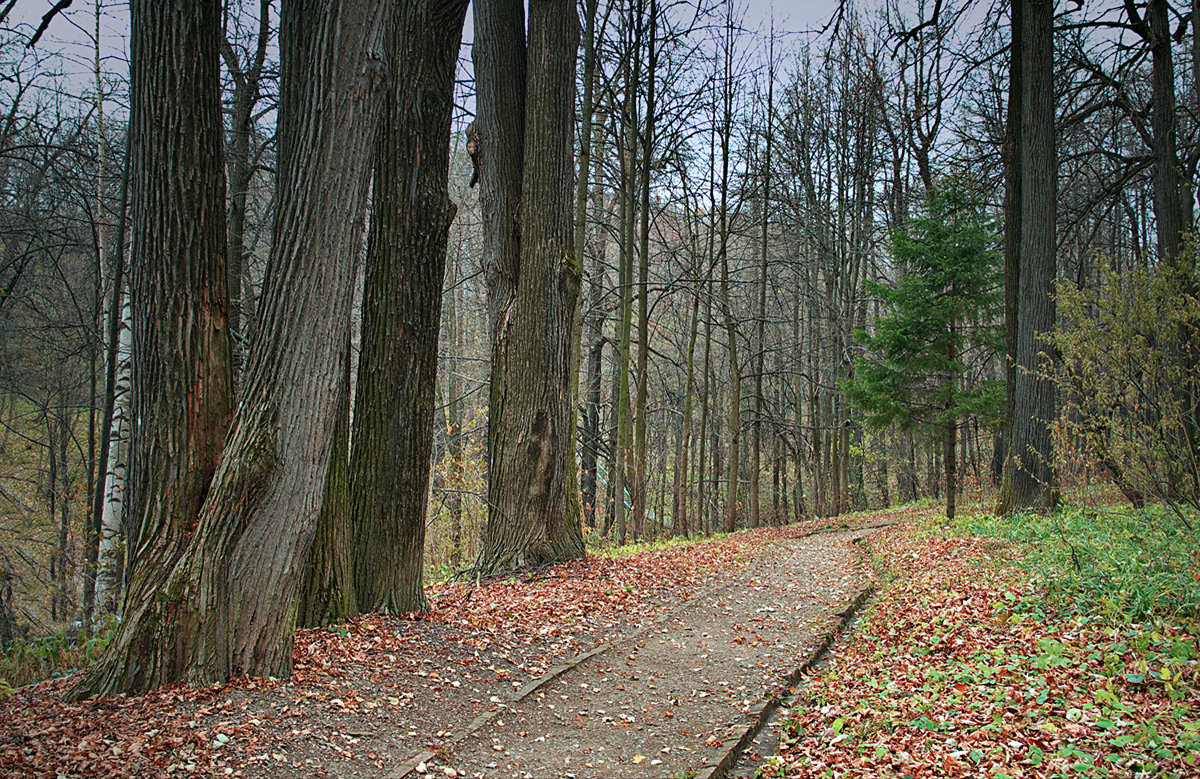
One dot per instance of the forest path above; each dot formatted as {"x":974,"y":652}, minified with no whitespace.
{"x":677,"y":698}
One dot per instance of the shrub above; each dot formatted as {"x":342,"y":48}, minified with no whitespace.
{"x":25,"y":661}
{"x":1128,"y":378}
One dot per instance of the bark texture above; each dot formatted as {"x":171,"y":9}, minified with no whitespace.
{"x":327,"y":592}
{"x":182,"y":393}
{"x":402,"y":308}
{"x":1032,"y":478}
{"x":181,"y":373}
{"x":534,"y":515}
{"x":227,"y":606}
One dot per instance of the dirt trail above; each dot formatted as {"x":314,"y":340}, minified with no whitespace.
{"x":672,"y":700}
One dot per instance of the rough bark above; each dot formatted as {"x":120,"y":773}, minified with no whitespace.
{"x":534,"y":515}
{"x":226,"y":604}
{"x":1032,"y":478}
{"x":499,"y":128}
{"x":402,"y":307}
{"x":181,"y":386}
{"x":327,"y":592}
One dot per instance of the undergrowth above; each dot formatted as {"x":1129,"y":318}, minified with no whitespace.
{"x":1122,"y":566}
{"x":28,"y":660}
{"x":1071,"y":648}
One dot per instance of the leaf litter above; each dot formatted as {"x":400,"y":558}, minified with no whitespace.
{"x":962,"y":669}
{"x":367,"y":694}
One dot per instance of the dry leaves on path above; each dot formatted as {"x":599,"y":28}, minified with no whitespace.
{"x":367,"y":694}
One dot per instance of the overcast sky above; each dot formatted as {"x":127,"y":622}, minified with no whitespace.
{"x":72,"y":31}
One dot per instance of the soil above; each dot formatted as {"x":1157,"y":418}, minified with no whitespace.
{"x":672,"y":700}
{"x":647,"y":666}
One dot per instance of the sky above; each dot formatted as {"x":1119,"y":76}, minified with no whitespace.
{"x":72,"y":32}
{"x":74,"y":28}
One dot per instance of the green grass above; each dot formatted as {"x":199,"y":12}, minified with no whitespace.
{"x":1127,"y":566}
{"x":1077,"y":636}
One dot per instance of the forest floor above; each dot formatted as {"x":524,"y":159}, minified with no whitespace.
{"x":661,"y":663}
{"x":385,"y":696}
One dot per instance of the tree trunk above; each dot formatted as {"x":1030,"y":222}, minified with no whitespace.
{"x":679,"y":516}
{"x":180,"y":340}
{"x":454,"y":409}
{"x":1011,"y":153}
{"x":591,"y":413}
{"x":109,"y":559}
{"x":735,"y":372}
{"x":1168,"y":214}
{"x":112,"y":459}
{"x":950,"y":454}
{"x":181,"y":374}
{"x":534,"y":512}
{"x":641,"y":417}
{"x":760,"y":340}
{"x":402,"y":308}
{"x":1033,"y":484}
{"x":703,"y":496}
{"x":327,"y":591}
{"x":499,"y":59}
{"x":225,"y":604}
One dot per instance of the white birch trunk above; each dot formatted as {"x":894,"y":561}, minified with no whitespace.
{"x":109,"y":559}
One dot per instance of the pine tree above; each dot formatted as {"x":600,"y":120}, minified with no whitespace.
{"x":943,"y":313}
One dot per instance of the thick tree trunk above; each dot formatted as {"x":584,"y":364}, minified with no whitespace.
{"x":180,"y":339}
{"x":1032,"y":482}
{"x":181,"y":374}
{"x":499,"y":59}
{"x":402,"y":307}
{"x":1168,"y":214}
{"x":327,"y":591}
{"x":1011,"y":153}
{"x":534,"y":513}
{"x":226,"y":604}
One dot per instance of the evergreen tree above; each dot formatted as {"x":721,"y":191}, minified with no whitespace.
{"x":942,"y":316}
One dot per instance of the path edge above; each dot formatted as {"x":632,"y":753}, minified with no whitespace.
{"x":762,"y":712}
{"x":759,"y":714}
